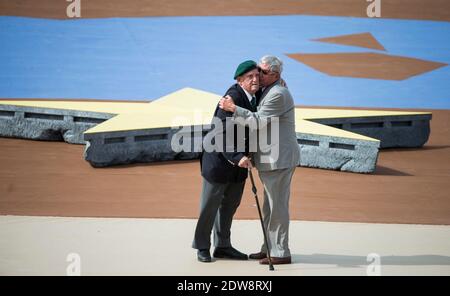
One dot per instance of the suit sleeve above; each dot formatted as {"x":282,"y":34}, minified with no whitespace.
{"x":272,"y":107}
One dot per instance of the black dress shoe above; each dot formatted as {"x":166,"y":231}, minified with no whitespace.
{"x":258,"y":256}
{"x":204,"y":255}
{"x":229,"y":253}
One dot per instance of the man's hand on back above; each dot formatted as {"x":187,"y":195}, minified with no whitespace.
{"x":227,"y":104}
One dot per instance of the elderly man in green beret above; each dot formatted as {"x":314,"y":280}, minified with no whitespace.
{"x":224,"y":174}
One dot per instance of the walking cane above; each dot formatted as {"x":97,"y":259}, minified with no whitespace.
{"x":261,"y":219}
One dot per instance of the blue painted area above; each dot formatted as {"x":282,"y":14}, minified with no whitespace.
{"x":146,"y":58}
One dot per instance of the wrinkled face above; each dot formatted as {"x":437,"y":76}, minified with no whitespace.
{"x":267,"y":77}
{"x":249,"y":81}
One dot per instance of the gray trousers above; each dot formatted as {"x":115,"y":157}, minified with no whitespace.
{"x":277,"y":187}
{"x":217,"y":207}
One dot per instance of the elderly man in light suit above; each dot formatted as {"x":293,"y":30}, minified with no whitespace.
{"x":276,"y":105}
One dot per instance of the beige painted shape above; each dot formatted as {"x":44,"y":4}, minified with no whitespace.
{"x":124,"y":122}
{"x":182,"y":108}
{"x":189,"y":106}
{"x":183,"y":99}
{"x":188,"y":99}
{"x":158,"y":119}
{"x":313,"y":128}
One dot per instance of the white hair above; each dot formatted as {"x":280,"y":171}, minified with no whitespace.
{"x":276,"y":65}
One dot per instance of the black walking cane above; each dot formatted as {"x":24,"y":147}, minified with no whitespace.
{"x":261,"y":219}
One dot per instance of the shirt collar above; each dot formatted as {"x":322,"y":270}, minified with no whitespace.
{"x":249,"y":96}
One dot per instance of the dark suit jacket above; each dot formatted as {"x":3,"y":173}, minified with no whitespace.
{"x":222,"y":167}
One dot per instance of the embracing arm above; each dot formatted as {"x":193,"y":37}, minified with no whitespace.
{"x":271,"y":107}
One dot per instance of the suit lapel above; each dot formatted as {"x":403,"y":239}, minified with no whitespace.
{"x":268,"y":88}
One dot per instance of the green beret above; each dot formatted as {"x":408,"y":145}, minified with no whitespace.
{"x":245,"y":67}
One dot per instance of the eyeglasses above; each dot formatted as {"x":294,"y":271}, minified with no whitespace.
{"x":265,"y":72}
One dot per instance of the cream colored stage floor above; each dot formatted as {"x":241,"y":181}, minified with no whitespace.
{"x":42,"y":245}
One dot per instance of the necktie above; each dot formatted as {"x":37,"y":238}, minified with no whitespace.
{"x":253,"y":102}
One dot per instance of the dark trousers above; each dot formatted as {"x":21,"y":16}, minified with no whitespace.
{"x":217,"y":207}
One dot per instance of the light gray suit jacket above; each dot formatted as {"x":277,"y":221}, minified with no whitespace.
{"x":276,"y":107}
